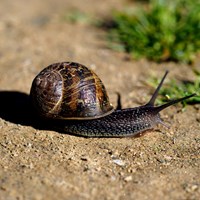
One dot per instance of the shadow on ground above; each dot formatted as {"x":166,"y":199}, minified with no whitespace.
{"x":15,"y":107}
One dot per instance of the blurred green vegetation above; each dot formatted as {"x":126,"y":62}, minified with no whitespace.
{"x":78,"y":17}
{"x":174,"y":90}
{"x":166,"y":30}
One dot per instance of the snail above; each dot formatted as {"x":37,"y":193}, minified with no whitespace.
{"x":75,"y":98}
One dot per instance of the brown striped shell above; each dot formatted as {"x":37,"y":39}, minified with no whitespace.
{"x":69,"y":90}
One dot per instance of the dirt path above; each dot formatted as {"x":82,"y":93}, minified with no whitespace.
{"x":36,"y":163}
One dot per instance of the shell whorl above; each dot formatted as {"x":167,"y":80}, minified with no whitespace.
{"x":69,"y":90}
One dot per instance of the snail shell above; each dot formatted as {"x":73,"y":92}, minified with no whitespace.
{"x":69,"y":90}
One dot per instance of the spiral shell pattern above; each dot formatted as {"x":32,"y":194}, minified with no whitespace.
{"x":69,"y":90}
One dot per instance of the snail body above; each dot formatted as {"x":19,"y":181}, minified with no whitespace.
{"x":75,"y":98}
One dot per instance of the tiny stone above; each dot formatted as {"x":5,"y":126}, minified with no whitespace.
{"x":194,"y":187}
{"x":121,"y":173}
{"x":98,"y":169}
{"x":119,"y":162}
{"x":191,"y":188}
{"x":29,"y":145}
{"x":113,"y":178}
{"x":128,"y":178}
{"x":15,"y":154}
{"x":31,"y":166}
{"x":168,"y":158}
{"x":160,"y":160}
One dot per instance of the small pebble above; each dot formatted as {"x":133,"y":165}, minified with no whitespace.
{"x":128,"y":178}
{"x":168,"y":158}
{"x":191,"y":188}
{"x":119,"y":162}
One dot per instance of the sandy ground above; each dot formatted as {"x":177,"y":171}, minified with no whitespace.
{"x":39,"y":163}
